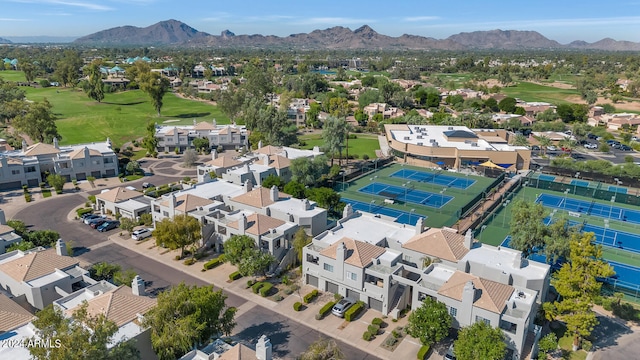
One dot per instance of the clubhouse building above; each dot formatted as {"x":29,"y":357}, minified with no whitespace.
{"x":455,"y":146}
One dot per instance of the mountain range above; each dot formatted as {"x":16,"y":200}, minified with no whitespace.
{"x":4,"y":41}
{"x":176,"y":33}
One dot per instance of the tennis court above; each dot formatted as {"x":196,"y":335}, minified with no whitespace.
{"x":434,"y":178}
{"x":617,"y":189}
{"x":582,"y":183}
{"x":614,"y":238}
{"x":406,"y":194}
{"x":546,"y":177}
{"x":399,"y":216}
{"x":626,"y":275}
{"x":590,"y":208}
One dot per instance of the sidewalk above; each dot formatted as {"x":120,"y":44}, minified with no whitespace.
{"x":349,"y":332}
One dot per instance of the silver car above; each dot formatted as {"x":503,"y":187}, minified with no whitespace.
{"x":341,"y":307}
{"x":140,"y":234}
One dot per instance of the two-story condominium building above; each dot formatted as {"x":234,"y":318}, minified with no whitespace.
{"x":126,"y":202}
{"x":390,"y":266}
{"x":40,"y":276}
{"x":28,"y":166}
{"x":455,"y":146}
{"x":182,"y":136}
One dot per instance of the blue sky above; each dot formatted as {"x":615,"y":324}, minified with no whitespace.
{"x":559,"y":20}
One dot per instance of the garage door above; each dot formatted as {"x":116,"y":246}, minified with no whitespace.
{"x":312,"y":280}
{"x":11,"y":185}
{"x":81,"y":176}
{"x":33,"y":182}
{"x":95,"y":174}
{"x":375,"y":304}
{"x":332,"y":288}
{"x":354,"y":295}
{"x":110,"y":172}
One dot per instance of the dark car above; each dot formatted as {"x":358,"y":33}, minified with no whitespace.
{"x":592,"y":136}
{"x":625,"y":148}
{"x":535,"y":147}
{"x":108,"y":225}
{"x":97,"y":222}
{"x":147,"y":185}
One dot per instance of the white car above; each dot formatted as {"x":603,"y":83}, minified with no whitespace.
{"x":552,"y":148}
{"x":141,"y":234}
{"x":590,"y":146}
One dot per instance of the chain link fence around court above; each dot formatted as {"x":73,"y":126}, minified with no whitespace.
{"x":576,"y":188}
{"x":594,"y":176}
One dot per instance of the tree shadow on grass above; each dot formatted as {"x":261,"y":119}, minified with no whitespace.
{"x":124,"y":104}
{"x":275,"y":331}
{"x":190,"y":115}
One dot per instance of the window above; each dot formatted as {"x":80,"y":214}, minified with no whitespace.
{"x":312,"y":259}
{"x":165,"y":213}
{"x":156,"y":208}
{"x":453,"y":311}
{"x":108,"y":160}
{"x":277,"y":245}
{"x":30,"y":169}
{"x":407,"y":258}
{"x":508,"y":326}
{"x":352,"y":276}
{"x":481,"y":319}
{"x":328,"y":267}
{"x":15,"y":172}
{"x":96,"y":162}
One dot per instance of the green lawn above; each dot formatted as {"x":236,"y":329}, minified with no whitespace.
{"x":12,"y":75}
{"x":533,"y":92}
{"x":364,"y":144}
{"x":121,"y":116}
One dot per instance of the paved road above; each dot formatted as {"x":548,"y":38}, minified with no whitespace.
{"x":289,"y":338}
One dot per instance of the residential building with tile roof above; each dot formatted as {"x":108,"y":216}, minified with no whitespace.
{"x":390,"y":266}
{"x":28,"y":165}
{"x":220,"y":350}
{"x":181,"y":137}
{"x":40,"y":275}
{"x":127,"y":202}
{"x":8,"y":236}
{"x":12,"y":315}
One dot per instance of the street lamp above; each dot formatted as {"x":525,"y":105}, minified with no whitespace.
{"x":482,"y":230}
{"x":564,"y":204}
{"x":371,"y":203}
{"x":442,"y":198}
{"x":411,"y":213}
{"x":406,"y":189}
{"x":604,"y":234}
{"x":613,"y":199}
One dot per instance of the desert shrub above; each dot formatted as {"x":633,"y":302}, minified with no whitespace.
{"x":256,"y":287}
{"x":367,"y":336}
{"x":297,"y":306}
{"x":373,"y":329}
{"x":190,"y":261}
{"x":213,"y":263}
{"x":278,"y":297}
{"x":250,"y":283}
{"x":338,"y":297}
{"x":390,"y":341}
{"x":377,"y":321}
{"x":288,"y":291}
{"x":586,"y":345}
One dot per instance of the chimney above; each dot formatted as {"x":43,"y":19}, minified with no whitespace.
{"x":214,"y":122}
{"x":137,"y":286}
{"x":87,"y":154}
{"x":267,"y":211}
{"x":214,"y":154}
{"x":468,"y":295}
{"x":263,"y":349}
{"x":468,"y":239}
{"x":347,"y":212}
{"x":306,"y":205}
{"x":419,"y":226}
{"x":248,"y":185}
{"x":3,"y":219}
{"x":172,"y":205}
{"x":517,"y":261}
{"x":260,"y":144}
{"x":242,"y":224}
{"x":24,"y":145}
{"x":341,"y":252}
{"x":285,"y":154}
{"x":109,"y":143}
{"x":273,"y":192}
{"x":265,"y":159}
{"x":316,"y":149}
{"x":61,"y":248}
{"x":55,"y":143}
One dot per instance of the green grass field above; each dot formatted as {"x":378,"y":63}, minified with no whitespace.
{"x":445,"y":216}
{"x":121,"y":116}
{"x":534,"y":92}
{"x":364,"y":144}
{"x":12,"y":75}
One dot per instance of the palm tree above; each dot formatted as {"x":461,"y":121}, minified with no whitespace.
{"x":521,"y":140}
{"x":567,"y":143}
{"x":544,"y":142}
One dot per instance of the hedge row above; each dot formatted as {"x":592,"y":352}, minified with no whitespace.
{"x":256,"y":287}
{"x":214,"y":262}
{"x":310,"y":296}
{"x":422,"y":353}
{"x":264,"y":290}
{"x":235,"y":275}
{"x":297,"y":306}
{"x":83,"y":211}
{"x":324,"y":311}
{"x":353,"y":311}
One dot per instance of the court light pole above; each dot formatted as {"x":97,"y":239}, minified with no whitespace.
{"x":504,"y":210}
{"x":442,"y":199}
{"x":575,"y":183}
{"x":613,"y":199}
{"x":564,"y":204}
{"x":411,"y":213}
{"x":604,"y":233}
{"x":481,"y":231}
{"x":371,"y":203}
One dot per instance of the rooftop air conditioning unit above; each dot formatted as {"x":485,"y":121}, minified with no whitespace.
{"x":432,"y":140}
{"x":474,"y":144}
{"x":420,"y":137}
{"x":450,"y":127}
{"x":420,"y":144}
{"x":407,"y":138}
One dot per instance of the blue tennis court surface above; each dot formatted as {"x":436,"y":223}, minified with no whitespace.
{"x":582,"y":183}
{"x":626,"y":275}
{"x":614,"y":238}
{"x":546,"y":177}
{"x":407,"y":194}
{"x":434,"y":178}
{"x":400,"y":216}
{"x":590,"y":208}
{"x":617,"y":189}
